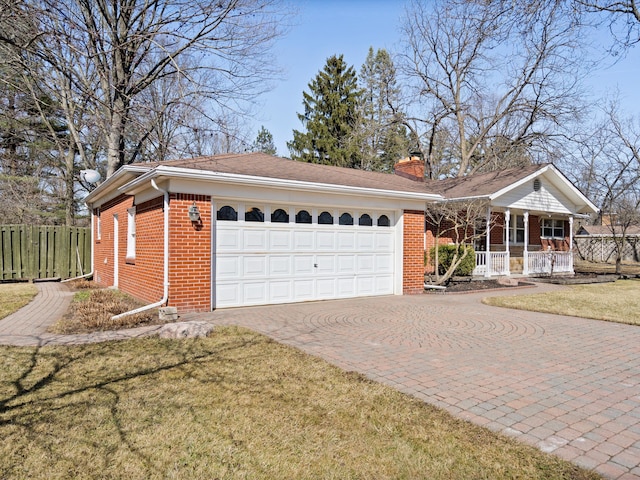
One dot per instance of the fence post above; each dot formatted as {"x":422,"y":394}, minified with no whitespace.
{"x":31,"y":251}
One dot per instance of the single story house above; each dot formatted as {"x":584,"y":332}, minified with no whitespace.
{"x":254,"y":229}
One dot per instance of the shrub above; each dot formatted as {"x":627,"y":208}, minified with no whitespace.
{"x":445,"y":258}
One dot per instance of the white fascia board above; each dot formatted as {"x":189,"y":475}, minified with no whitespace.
{"x":186,"y":173}
{"x":577,"y":194}
{"x":120,"y":177}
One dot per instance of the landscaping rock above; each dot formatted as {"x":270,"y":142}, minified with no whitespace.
{"x":507,"y":281}
{"x":185,"y":330}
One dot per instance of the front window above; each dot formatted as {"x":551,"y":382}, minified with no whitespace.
{"x":516,"y":230}
{"x":480,"y":235}
{"x":552,"y":228}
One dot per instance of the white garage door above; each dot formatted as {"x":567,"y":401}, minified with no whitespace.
{"x":259,"y":262}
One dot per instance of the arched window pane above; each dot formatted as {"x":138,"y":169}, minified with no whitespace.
{"x":227,"y":213}
{"x":325,"y":218}
{"x":365,"y":220}
{"x":254,"y":215}
{"x":280,"y":216}
{"x":383,"y":221}
{"x":346,"y":219}
{"x":303,"y":217}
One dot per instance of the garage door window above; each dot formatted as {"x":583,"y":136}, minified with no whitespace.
{"x":383,"y":221}
{"x":325,"y":218}
{"x":254,"y":215}
{"x":227,"y":213}
{"x":365,"y":220}
{"x":303,"y":217}
{"x":279,"y":216}
{"x":346,"y":219}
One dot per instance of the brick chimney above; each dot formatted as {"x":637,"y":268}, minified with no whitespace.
{"x":411,"y":168}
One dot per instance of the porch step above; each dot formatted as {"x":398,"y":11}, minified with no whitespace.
{"x":516,"y":264}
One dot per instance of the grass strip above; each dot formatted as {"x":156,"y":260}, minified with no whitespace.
{"x":235,"y":405}
{"x":14,"y":296}
{"x":615,"y":302}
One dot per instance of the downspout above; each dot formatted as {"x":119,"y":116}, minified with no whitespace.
{"x":165,"y":294}
{"x":86,"y":275}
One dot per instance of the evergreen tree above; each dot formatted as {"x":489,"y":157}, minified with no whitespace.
{"x":330,"y":117}
{"x":382,"y":138}
{"x":264,"y":142}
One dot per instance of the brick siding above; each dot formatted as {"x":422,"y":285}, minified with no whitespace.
{"x":190,"y":254}
{"x":413,"y":256}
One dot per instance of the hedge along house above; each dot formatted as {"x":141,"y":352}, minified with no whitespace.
{"x":528,"y":220}
{"x":253,"y":229}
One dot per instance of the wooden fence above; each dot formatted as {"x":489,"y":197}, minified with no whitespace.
{"x":30,"y":252}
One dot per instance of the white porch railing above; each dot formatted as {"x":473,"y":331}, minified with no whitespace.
{"x":550,"y":262}
{"x":499,"y":264}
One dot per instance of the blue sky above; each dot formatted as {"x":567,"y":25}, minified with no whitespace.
{"x":326,"y":27}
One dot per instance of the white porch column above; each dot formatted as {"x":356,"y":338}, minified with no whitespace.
{"x":571,"y":243}
{"x":571,"y":233}
{"x":507,"y":227}
{"x":487,"y":272}
{"x":525,"y":253}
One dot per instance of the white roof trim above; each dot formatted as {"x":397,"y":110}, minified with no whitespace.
{"x":118,"y":178}
{"x":537,"y":173}
{"x":191,"y":174}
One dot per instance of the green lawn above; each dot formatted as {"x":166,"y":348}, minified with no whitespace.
{"x":615,"y":302}
{"x":235,"y":406}
{"x":14,"y":296}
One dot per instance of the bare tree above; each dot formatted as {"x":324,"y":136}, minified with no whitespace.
{"x":606,"y":166}
{"x":622,"y":17}
{"x":454,"y":223}
{"x":492,"y":80}
{"x":117,"y":50}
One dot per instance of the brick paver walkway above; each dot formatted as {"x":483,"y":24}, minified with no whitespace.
{"x":567,"y":385}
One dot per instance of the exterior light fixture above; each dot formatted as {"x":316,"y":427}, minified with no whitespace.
{"x":194,"y":213}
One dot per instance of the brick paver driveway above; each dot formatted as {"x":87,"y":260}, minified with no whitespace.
{"x":568,"y":385}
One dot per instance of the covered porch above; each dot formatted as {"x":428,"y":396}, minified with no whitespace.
{"x":522,"y":242}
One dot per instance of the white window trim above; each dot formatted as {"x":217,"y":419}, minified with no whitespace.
{"x":513,"y":230}
{"x":553,"y":227}
{"x":98,"y":225}
{"x":131,"y":233}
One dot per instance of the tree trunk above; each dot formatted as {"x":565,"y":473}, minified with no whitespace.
{"x":115,"y":142}
{"x":69,"y":197}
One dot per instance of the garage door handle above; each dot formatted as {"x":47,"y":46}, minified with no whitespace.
{"x":315,"y":265}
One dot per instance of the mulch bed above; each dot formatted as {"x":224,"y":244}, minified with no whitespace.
{"x":477,"y":285}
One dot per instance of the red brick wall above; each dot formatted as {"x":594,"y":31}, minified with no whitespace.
{"x":144,"y":276}
{"x":141,"y":277}
{"x":496,"y":233}
{"x":413,"y":257}
{"x":534,"y":230}
{"x":190,"y":254}
{"x":189,"y":251}
{"x":103,"y":246}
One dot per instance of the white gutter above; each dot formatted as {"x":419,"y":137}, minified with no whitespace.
{"x":86,"y":275}
{"x":165,"y":294}
{"x":190,"y":174}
